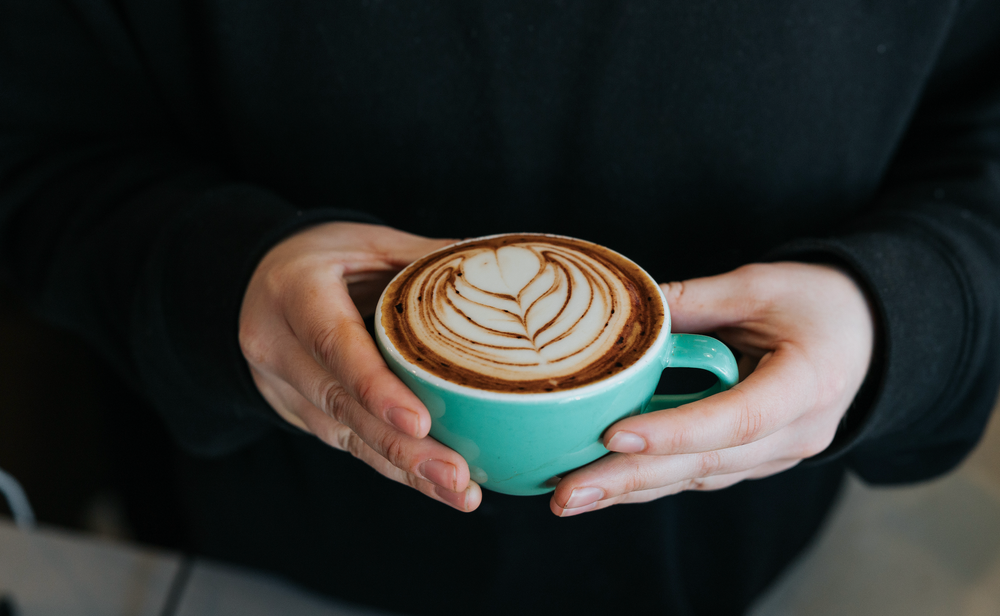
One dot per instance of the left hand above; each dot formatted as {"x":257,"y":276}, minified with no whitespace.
{"x":805,"y":332}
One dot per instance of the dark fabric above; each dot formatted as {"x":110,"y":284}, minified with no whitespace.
{"x":335,"y":526}
{"x":151,"y":152}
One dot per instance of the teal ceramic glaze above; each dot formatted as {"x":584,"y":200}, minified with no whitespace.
{"x":517,"y":443}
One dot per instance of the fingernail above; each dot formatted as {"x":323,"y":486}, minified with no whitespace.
{"x":577,"y":510}
{"x":404,"y":420}
{"x":455,"y":499}
{"x":581,"y":497}
{"x":439,"y":473}
{"x":626,"y":442}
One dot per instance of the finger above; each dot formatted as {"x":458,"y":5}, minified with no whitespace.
{"x":466,"y":499}
{"x":708,"y":484}
{"x":326,"y":322}
{"x":620,"y":474}
{"x":711,"y":303}
{"x":717,"y":482}
{"x":424,"y":457}
{"x":783,"y":387}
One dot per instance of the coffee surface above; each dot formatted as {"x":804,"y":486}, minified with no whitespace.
{"x":523,"y":313}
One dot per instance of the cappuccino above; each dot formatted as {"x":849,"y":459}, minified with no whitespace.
{"x":523,"y":313}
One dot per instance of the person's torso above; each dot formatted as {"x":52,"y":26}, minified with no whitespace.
{"x":656,"y":128}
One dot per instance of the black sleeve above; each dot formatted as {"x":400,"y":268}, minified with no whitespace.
{"x":928,"y":254}
{"x":115,"y":226}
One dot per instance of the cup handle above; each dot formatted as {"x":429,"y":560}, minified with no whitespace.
{"x":694,"y":351}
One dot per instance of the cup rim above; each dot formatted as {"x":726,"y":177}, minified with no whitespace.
{"x":655,"y":351}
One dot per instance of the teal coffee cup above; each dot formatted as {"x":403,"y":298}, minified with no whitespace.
{"x":517,"y":443}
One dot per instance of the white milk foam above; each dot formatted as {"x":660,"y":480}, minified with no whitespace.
{"x":525,"y":311}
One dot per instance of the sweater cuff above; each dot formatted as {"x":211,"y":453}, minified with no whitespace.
{"x":920,"y":309}
{"x":199,"y":276}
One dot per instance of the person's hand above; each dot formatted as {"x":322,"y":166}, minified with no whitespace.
{"x":805,"y":332}
{"x":302,"y":333}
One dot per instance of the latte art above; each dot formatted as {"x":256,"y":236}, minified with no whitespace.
{"x":520,"y":307}
{"x":525,"y":313}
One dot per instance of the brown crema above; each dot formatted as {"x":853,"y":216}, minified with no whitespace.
{"x":523,"y":313}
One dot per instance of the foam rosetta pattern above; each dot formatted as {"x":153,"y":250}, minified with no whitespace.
{"x":528,"y":314}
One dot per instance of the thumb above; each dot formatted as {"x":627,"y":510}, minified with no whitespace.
{"x":708,"y":304}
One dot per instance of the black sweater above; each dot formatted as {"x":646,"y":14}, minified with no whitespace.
{"x":152,"y":151}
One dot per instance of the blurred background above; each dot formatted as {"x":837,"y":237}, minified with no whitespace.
{"x":89,"y":453}
{"x":96,"y":466}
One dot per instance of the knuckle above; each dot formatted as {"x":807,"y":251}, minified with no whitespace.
{"x":811,"y":449}
{"x":749,"y":426}
{"x":759,"y":286}
{"x":674,"y":292}
{"x":394,"y":450}
{"x":696,"y":483}
{"x":327,"y":341}
{"x":336,"y":401}
{"x":268,"y":282}
{"x":413,"y":481}
{"x":332,"y":344}
{"x":366,"y":387}
{"x":814,"y":446}
{"x":749,"y":422}
{"x":831,"y":391}
{"x":273,"y":281}
{"x":349,"y":441}
{"x":635,"y":479}
{"x":678,"y":441}
{"x":756,"y":274}
{"x":709,"y":463}
{"x":342,"y":440}
{"x":254,"y":350}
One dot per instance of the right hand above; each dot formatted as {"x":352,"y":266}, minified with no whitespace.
{"x":312,"y":359}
